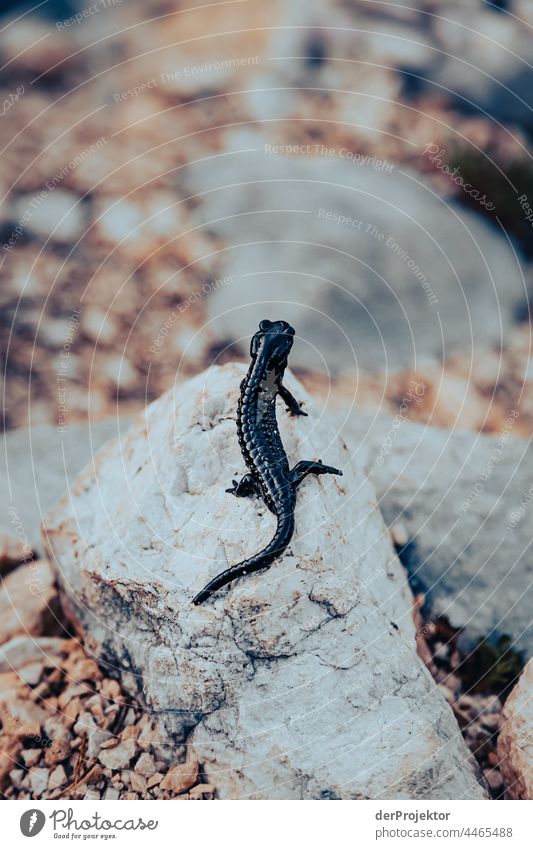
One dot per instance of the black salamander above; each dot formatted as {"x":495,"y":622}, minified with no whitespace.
{"x":269,"y":474}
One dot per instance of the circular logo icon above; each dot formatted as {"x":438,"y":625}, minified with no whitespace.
{"x":32,"y":822}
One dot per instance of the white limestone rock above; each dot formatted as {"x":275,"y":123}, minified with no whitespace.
{"x":301,"y":681}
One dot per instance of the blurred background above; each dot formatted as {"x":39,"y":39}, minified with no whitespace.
{"x":173,"y":172}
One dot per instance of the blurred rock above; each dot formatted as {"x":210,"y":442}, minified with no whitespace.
{"x":258,"y":672}
{"x":515,"y":742}
{"x":22,"y":650}
{"x":99,"y":326}
{"x":465,"y":501}
{"x":12,"y":552}
{"x":32,"y":46}
{"x":181,"y":777}
{"x":119,"y":756}
{"x":484,"y":57}
{"x":36,"y":467}
{"x":59,"y":215}
{"x":28,"y":601}
{"x":371,"y":268}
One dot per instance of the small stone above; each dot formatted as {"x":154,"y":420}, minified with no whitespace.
{"x":59,"y":216}
{"x":118,"y":757}
{"x":399,"y":535}
{"x":21,"y":650}
{"x":155,"y":779}
{"x":131,"y":731}
{"x":468,"y":702}
{"x":119,"y":372}
{"x":181,"y":777}
{"x":138,"y":783}
{"x":110,"y":742}
{"x":490,"y":721}
{"x":12,"y":552}
{"x":99,"y":326}
{"x":94,"y":775}
{"x":34,"y":49}
{"x":85,"y":670}
{"x":31,"y":756}
{"x":202,"y":791}
{"x":111,"y":793}
{"x":92,"y":794}
{"x":130,"y":796}
{"x":31,"y":673}
{"x":145,"y":765}
{"x":110,"y":688}
{"x":97,"y":740}
{"x":145,"y":737}
{"x":72,"y":711}
{"x":70,"y":693}
{"x":9,"y":756}
{"x":58,"y":778}
{"x":97,"y":710}
{"x":16,"y":776}
{"x":494,"y":779}
{"x":26,"y":596}
{"x":38,"y":780}
{"x":58,"y":751}
{"x":20,"y":716}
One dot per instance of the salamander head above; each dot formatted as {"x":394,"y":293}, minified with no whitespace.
{"x":273,"y":341}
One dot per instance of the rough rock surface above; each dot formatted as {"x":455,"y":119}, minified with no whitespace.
{"x":515,"y":743}
{"x":368,"y":264}
{"x":465,"y":501}
{"x":299,"y":682}
{"x":36,"y":467}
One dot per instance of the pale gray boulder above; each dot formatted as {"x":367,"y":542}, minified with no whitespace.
{"x":371,"y":267}
{"x":38,"y":464}
{"x":465,"y":501}
{"x":301,"y":681}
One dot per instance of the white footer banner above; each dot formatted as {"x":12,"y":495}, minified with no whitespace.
{"x":254,"y":824}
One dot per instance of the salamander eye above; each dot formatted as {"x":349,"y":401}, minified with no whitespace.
{"x":265,"y":324}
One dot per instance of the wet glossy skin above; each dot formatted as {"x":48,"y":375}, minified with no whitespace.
{"x":269,"y":474}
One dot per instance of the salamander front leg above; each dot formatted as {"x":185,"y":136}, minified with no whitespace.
{"x":247,"y":485}
{"x":311,"y":467}
{"x":293,"y":405}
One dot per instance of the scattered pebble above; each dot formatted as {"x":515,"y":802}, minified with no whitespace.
{"x":181,"y":777}
{"x":12,"y":552}
{"x":120,"y":756}
{"x":39,"y":781}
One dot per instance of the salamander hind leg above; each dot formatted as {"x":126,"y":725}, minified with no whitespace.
{"x":248,"y":485}
{"x":311,"y":467}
